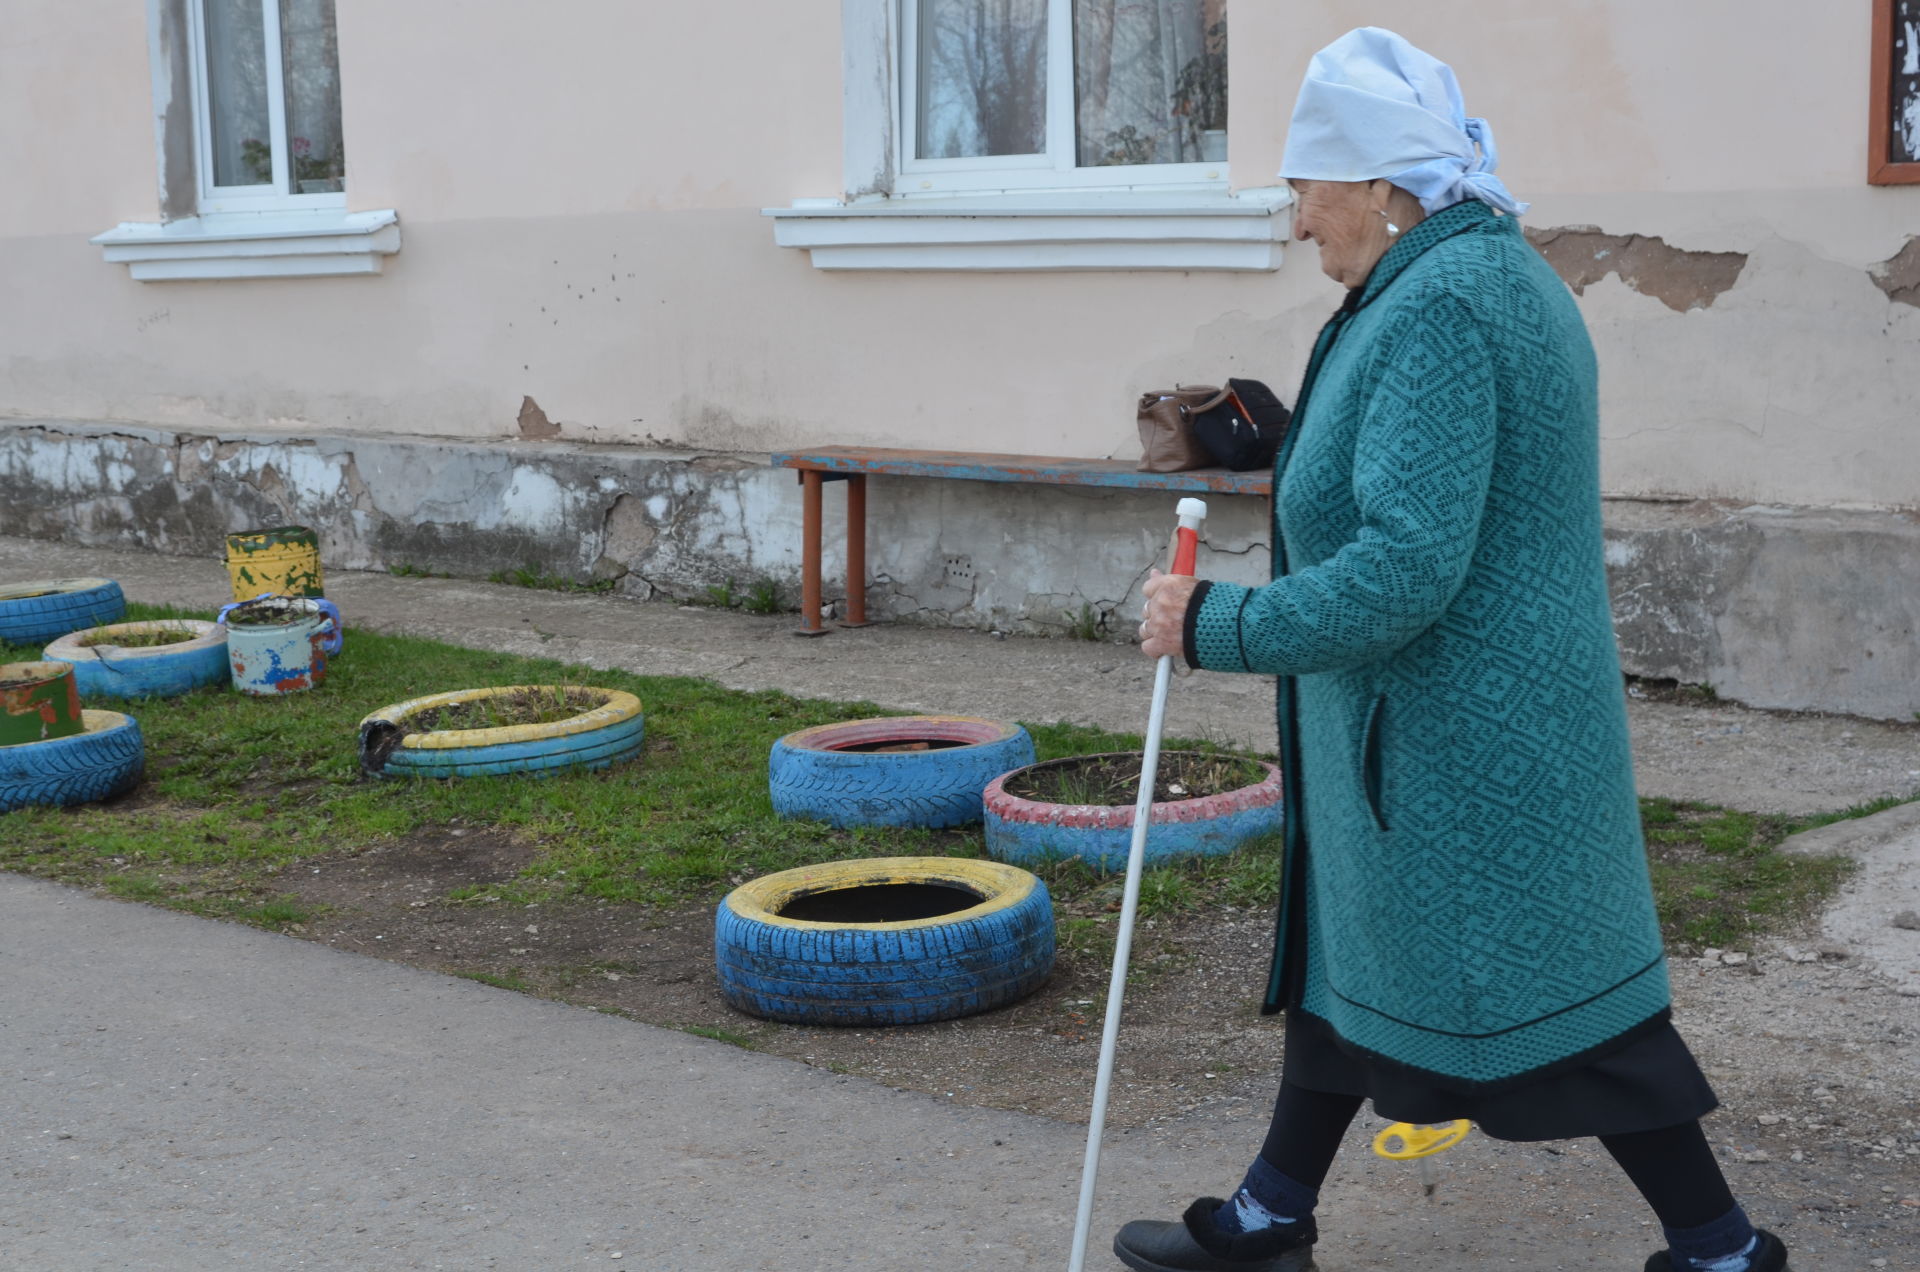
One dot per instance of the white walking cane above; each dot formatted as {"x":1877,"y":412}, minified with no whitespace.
{"x":1186,"y":548}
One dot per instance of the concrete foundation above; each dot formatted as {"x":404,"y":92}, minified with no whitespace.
{"x":1811,"y":609}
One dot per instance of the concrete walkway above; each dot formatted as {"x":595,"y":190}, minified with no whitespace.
{"x":184,"y":1094}
{"x":187,"y":1096}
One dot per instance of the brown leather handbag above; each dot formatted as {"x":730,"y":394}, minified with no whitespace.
{"x":1168,"y":443}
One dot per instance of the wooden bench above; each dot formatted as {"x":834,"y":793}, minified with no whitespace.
{"x":854,"y":464}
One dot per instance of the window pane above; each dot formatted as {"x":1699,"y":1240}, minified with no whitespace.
{"x":237,"y":93}
{"x":1150,"y":81}
{"x":982,"y":78}
{"x":310,"y":58}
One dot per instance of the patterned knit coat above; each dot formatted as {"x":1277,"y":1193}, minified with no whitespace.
{"x":1467,"y":892}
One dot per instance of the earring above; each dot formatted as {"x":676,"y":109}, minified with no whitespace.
{"x":1392,"y":229}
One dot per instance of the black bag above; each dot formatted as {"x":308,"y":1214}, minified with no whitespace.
{"x":1244,"y":428}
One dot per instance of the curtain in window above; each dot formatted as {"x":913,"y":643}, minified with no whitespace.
{"x":237,"y":92}
{"x":310,"y":58}
{"x":982,"y":78}
{"x":1150,"y":81}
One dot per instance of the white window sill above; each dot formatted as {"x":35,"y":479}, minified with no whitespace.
{"x":1119,"y":230}
{"x":300,"y":244}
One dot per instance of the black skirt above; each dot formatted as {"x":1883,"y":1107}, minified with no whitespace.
{"x":1650,"y":1082}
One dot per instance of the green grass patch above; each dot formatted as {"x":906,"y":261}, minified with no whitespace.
{"x":727,"y":1036}
{"x":510,"y":979}
{"x":1718,"y":875}
{"x":138,"y":887}
{"x":136,"y":640}
{"x":238,"y":786}
{"x":763,"y":598}
{"x":535,"y":704}
{"x":534,"y":577}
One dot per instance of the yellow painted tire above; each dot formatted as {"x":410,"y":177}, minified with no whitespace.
{"x":593,"y":739}
{"x":951,"y":959}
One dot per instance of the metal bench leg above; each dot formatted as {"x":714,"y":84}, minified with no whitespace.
{"x":856,"y":552}
{"x":810,"y":486}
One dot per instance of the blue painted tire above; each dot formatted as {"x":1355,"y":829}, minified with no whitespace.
{"x":35,"y":613}
{"x":1033,"y":832}
{"x":820,"y":773}
{"x":103,"y":762}
{"x":884,"y":973}
{"x":156,"y":671}
{"x":594,"y":739}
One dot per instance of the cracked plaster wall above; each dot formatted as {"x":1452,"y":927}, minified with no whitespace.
{"x":644,"y":304}
{"x":671,"y":522}
{"x":1780,"y":607}
{"x":1737,"y":362}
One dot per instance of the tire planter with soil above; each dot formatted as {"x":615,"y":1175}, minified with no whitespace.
{"x":1033,"y":831}
{"x":927,"y":771}
{"x":888,"y":941}
{"x":599,"y":736}
{"x":35,"y":613}
{"x":105,"y":669}
{"x":102,"y":761}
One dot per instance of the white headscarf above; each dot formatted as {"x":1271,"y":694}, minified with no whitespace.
{"x":1375,"y":106}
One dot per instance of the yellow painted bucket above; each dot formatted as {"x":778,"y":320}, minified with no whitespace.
{"x":284,"y":561}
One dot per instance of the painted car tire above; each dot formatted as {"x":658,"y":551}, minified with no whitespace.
{"x":594,"y":739}
{"x":102,"y":762}
{"x":811,"y":774}
{"x":157,"y":671}
{"x":898,"y":973}
{"x":1032,"y":831}
{"x":35,"y":613}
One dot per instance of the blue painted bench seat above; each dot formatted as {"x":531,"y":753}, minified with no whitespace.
{"x":854,"y":464}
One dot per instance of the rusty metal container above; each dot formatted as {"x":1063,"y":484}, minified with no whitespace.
{"x":39,"y":701}
{"x":280,"y":644}
{"x":284,"y":561}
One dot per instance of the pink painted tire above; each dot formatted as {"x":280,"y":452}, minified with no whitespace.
{"x":1029,"y":832}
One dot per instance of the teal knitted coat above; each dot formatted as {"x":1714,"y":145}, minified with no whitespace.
{"x":1467,"y":891}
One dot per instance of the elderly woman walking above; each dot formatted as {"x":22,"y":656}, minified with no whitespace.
{"x":1466,"y":928}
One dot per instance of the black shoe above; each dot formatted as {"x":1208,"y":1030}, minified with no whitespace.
{"x":1768,"y":1256}
{"x":1195,"y":1245}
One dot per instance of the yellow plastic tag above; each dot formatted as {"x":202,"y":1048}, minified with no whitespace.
{"x":1403,"y":1141}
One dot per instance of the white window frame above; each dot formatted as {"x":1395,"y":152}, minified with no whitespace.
{"x":1057,"y":168}
{"x":894,"y":216}
{"x":207,"y":232}
{"x":273,"y":197}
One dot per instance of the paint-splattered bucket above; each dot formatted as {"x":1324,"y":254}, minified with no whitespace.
{"x":39,"y":701}
{"x":280,"y":644}
{"x":284,"y":561}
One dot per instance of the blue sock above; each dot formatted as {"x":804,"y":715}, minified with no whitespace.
{"x":1725,"y":1245}
{"x":1266,"y":1198}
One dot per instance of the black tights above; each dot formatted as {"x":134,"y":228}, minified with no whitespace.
{"x":1673,"y":1167}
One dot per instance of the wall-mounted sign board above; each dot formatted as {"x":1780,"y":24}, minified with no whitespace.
{"x":1893,"y":131}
